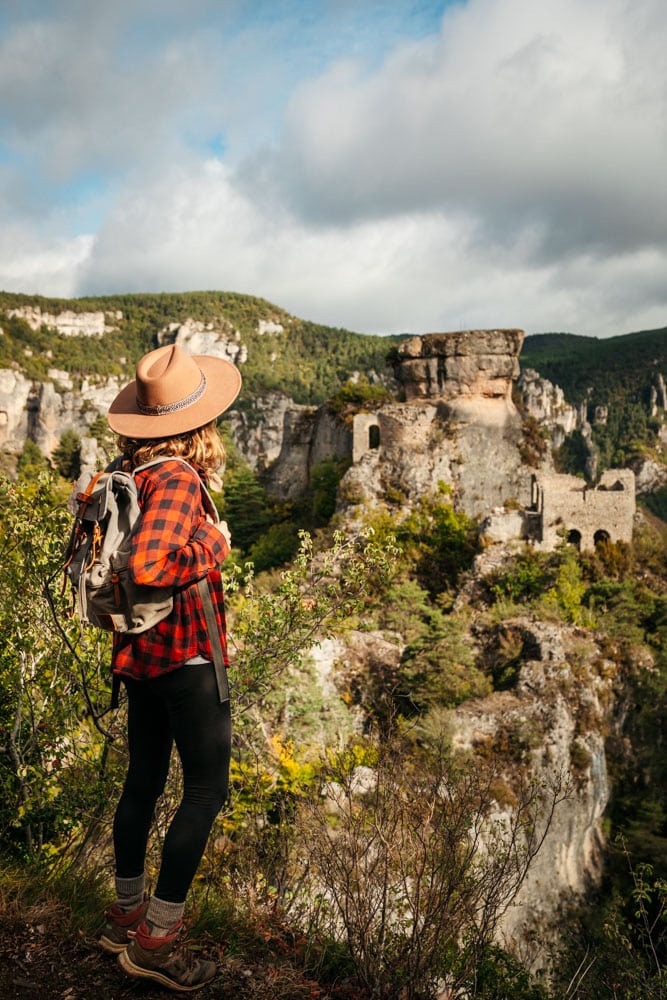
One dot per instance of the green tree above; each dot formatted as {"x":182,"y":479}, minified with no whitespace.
{"x":275,"y":547}
{"x":67,"y":455}
{"x":324,"y":480}
{"x":31,"y":461}
{"x":245,"y":506}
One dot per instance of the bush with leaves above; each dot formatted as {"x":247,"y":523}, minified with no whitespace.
{"x":410,"y":870}
{"x":31,"y":461}
{"x":52,"y":762}
{"x":438,"y":669}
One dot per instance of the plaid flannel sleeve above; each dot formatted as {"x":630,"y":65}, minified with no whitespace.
{"x":174,"y":544}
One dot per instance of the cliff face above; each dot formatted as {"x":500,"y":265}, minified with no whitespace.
{"x":68,"y":323}
{"x":551,"y":727}
{"x":41,"y":411}
{"x":424,"y":444}
{"x":545,"y":735}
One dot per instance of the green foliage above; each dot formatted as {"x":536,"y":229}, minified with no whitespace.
{"x":53,"y":769}
{"x":524,"y":580}
{"x":448,"y":544}
{"x":245,"y":506}
{"x":100,"y":430}
{"x":67,"y":455}
{"x":439,"y":670}
{"x":275,"y":547}
{"x":618,"y":373}
{"x":31,"y":461}
{"x":656,"y":502}
{"x":304,"y":360}
{"x":313,"y":599}
{"x":567,"y":593}
{"x":571,"y":457}
{"x":598,"y":371}
{"x":358,"y":396}
{"x":324,"y":480}
{"x":554,"y":584}
{"x":443,"y":542}
{"x":500,"y":976}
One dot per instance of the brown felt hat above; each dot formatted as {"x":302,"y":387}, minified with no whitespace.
{"x":174,"y":392}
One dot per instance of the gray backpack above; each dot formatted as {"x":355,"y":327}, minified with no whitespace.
{"x":96,"y":558}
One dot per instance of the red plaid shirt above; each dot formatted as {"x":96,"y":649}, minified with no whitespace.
{"x":174,"y":546}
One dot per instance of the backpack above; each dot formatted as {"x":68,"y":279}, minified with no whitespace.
{"x":97,"y":556}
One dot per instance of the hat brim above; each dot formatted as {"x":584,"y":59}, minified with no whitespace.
{"x":223,"y":384}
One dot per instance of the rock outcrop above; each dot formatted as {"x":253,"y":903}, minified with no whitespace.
{"x":41,"y":411}
{"x":461,"y":368}
{"x":555,"y":722}
{"x":425,"y":444}
{"x":218,"y":339}
{"x":67,"y":322}
{"x":546,"y":403}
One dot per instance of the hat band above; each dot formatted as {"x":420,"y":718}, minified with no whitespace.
{"x":180,"y":404}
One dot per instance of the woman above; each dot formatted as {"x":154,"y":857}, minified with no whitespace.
{"x":173,"y":689}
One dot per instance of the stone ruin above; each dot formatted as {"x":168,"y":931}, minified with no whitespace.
{"x":471,"y":375}
{"x":566,"y":507}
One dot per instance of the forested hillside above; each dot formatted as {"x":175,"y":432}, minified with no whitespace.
{"x":599,"y":371}
{"x":307,"y":361}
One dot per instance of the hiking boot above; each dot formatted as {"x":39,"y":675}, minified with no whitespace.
{"x":116,"y":933}
{"x":165,"y":960}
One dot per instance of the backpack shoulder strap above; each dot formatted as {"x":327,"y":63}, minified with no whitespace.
{"x":207,"y":499}
{"x":214,"y":635}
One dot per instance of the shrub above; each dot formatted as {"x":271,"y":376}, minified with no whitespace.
{"x":67,"y":455}
{"x":524,"y":580}
{"x":412,"y":875}
{"x":439,"y":670}
{"x":275,"y":547}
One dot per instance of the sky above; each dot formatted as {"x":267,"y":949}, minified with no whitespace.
{"x":387,"y":167}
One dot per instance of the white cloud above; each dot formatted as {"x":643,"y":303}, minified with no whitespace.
{"x":40,"y":265}
{"x":506,"y":171}
{"x":522,"y":112}
{"x":415,"y":272}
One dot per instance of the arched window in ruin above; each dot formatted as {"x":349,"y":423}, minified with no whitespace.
{"x":574,"y":538}
{"x":373,"y":436}
{"x":601,"y":536}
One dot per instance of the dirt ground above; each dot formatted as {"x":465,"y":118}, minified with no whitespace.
{"x":37,"y":960}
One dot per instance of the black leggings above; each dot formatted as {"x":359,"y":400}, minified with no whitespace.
{"x":182,"y":707}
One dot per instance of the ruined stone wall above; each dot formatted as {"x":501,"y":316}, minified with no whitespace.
{"x":569,"y":506}
{"x":364,"y":439}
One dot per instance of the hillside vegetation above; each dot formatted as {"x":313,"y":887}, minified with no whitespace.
{"x":598,"y":371}
{"x":621,"y":374}
{"x":307,"y":361}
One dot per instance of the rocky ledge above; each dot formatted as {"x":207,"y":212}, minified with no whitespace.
{"x":452,"y":366}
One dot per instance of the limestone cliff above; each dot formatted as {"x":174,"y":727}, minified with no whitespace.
{"x":552,"y":726}
{"x":67,"y":322}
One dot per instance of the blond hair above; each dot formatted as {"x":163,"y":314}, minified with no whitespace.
{"x":202,"y":447}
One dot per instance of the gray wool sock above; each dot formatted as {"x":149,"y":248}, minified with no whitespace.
{"x":161,"y":916}
{"x":130,"y":892}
